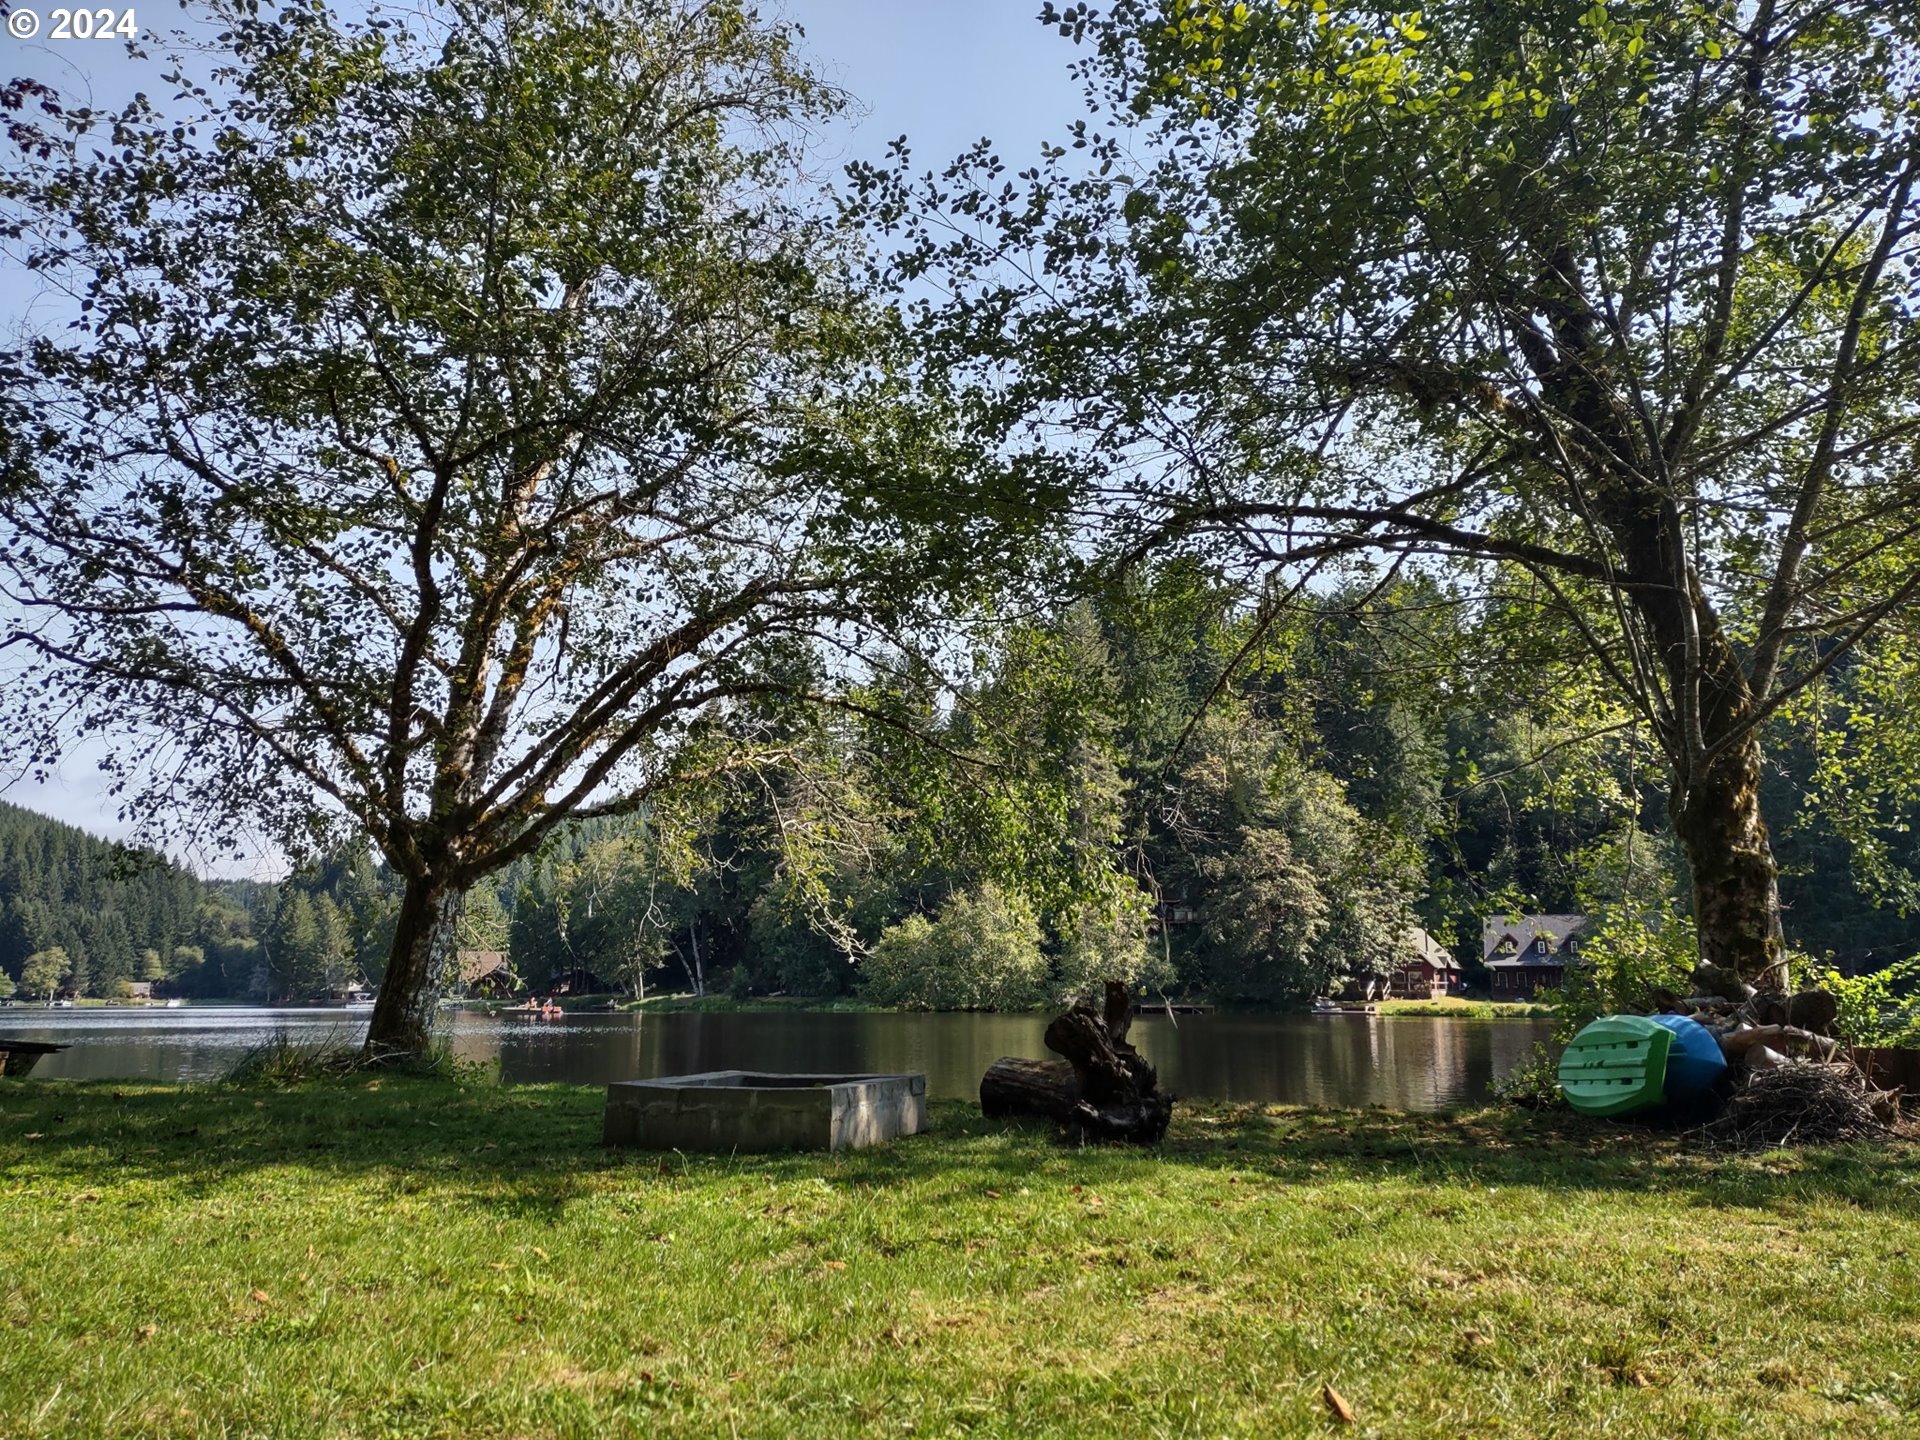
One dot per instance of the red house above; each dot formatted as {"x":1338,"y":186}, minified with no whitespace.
{"x":1425,"y":971}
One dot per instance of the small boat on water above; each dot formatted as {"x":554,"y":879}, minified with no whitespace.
{"x":1323,"y":1006}
{"x":535,"y":1010}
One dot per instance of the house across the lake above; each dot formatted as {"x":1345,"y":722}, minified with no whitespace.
{"x":486,"y":973}
{"x":1526,"y":954}
{"x":1425,"y":970}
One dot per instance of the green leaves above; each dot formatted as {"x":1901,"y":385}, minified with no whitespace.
{"x":483,"y":395}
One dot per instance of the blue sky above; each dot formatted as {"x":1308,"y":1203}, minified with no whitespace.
{"x":942,"y":72}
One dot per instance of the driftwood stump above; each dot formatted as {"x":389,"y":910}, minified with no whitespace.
{"x":1102,"y":1090}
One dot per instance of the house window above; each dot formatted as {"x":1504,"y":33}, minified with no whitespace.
{"x":1540,"y":945}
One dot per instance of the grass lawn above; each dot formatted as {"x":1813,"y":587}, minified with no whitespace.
{"x":451,"y":1258}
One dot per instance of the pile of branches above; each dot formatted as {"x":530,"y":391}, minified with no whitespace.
{"x":1805,"y":1102}
{"x":1790,"y":1082}
{"x":1759,"y":1027}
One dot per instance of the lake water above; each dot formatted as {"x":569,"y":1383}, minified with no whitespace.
{"x":1409,"y":1063}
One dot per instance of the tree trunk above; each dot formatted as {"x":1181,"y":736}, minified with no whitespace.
{"x":1736,"y":892}
{"x":423,"y":947}
{"x":1715,"y":803}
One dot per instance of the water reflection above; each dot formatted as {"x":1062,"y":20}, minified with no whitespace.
{"x":1405,"y":1063}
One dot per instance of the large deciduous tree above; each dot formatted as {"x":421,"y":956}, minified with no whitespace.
{"x":455,"y":412}
{"x":1617,"y":296}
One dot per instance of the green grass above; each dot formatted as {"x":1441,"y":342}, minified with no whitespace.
{"x":442,"y":1257}
{"x":1469,"y":1009}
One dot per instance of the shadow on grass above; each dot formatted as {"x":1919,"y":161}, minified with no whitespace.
{"x":532,"y":1149}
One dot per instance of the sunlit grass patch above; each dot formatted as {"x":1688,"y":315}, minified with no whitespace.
{"x":408,"y":1257}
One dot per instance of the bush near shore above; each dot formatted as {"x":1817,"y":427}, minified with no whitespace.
{"x":1470,"y":1009}
{"x":445,"y":1257}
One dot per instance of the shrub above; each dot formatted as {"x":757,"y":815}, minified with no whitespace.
{"x":980,"y":952}
{"x":1627,"y":958}
{"x":1878,"y":1009}
{"x":1533,"y":1083}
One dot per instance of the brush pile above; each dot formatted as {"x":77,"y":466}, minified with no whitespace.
{"x":1789,"y":1081}
{"x":1805,"y":1102}
{"x":1792,"y":1082}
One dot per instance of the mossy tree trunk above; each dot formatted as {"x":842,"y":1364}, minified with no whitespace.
{"x":1736,"y":892}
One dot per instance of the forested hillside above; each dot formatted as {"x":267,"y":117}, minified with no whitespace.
{"x":84,"y":917}
{"x":98,"y":913}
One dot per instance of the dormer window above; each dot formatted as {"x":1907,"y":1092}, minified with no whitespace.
{"x":1540,"y":945}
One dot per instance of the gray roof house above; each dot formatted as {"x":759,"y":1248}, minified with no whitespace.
{"x":1526,"y":954}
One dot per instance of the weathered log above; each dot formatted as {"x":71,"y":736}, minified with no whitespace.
{"x":1813,"y":1010}
{"x":1765,"y":1007}
{"x":1104,"y":1090}
{"x":1013,"y":1086}
{"x":1738,"y":1043}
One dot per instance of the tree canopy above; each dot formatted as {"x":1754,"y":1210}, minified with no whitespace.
{"x":464,"y":410}
{"x":1617,"y":302}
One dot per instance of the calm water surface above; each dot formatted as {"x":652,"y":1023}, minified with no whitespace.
{"x":1407,"y":1063}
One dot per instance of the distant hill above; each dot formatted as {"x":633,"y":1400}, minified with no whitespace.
{"x":118,"y":913}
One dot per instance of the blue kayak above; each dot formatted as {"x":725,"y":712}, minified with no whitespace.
{"x":1694,"y":1061}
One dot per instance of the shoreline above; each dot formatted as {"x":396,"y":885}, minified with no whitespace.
{"x":689,"y":1004}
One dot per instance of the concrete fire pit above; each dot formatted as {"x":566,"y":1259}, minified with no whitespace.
{"x":749,"y":1110}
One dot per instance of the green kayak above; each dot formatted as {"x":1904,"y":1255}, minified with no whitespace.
{"x":1616,"y":1065}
